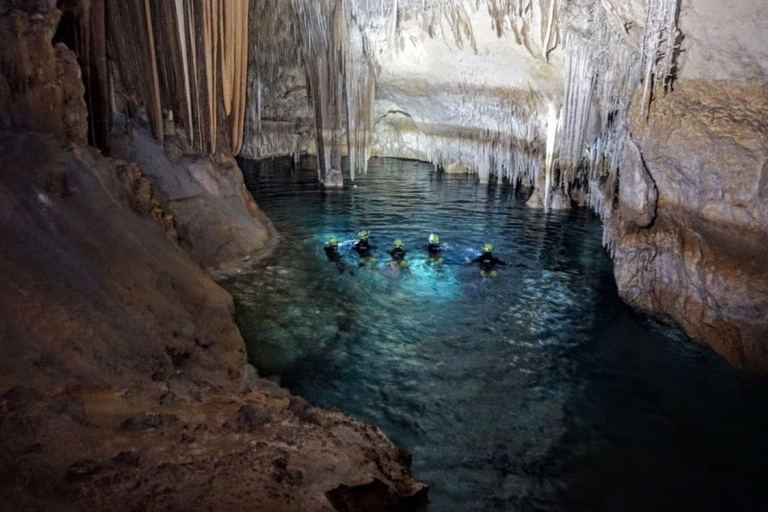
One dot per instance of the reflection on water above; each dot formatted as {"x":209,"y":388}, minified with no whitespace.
{"x":537,"y":389}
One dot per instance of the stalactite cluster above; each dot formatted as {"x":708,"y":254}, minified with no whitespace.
{"x":338,"y":59}
{"x":602,"y":74}
{"x":576,"y":138}
{"x":188,"y":57}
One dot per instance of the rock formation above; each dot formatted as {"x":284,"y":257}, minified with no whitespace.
{"x":652,"y":112}
{"x":698,"y":253}
{"x":124,"y":383}
{"x":623,"y":105}
{"x":40,"y":85}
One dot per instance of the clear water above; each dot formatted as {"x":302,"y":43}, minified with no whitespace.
{"x":536,"y":389}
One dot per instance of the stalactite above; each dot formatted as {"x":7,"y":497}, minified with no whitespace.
{"x":193,"y":56}
{"x":602,"y":74}
{"x":341,"y":76}
{"x":360,"y":91}
{"x":322,"y":30}
{"x":210,"y":36}
{"x":234,"y":64}
{"x":181,"y":28}
{"x":272,"y":54}
{"x":157,"y":107}
{"x":553,"y":125}
{"x":134,"y":53}
{"x":659,"y":45}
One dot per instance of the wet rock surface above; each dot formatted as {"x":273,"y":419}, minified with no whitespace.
{"x":215,"y":218}
{"x":123,"y":383}
{"x":703,"y":260}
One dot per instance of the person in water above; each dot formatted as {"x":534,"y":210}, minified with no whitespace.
{"x":488,"y":262}
{"x":434,"y":250}
{"x":362,"y":246}
{"x":398,"y":253}
{"x":363,"y":249}
{"x":334,"y":256}
{"x":398,"y":265}
{"x":332,"y":250}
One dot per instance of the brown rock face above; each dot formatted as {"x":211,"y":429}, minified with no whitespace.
{"x":216,"y":218}
{"x":40,"y":84}
{"x":88,"y":281}
{"x":121,"y":368}
{"x":704,"y":260}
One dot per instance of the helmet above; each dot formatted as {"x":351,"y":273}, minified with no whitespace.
{"x":333,"y":241}
{"x":362,"y":235}
{"x":398,"y":243}
{"x":487,"y":247}
{"x":434,"y":239}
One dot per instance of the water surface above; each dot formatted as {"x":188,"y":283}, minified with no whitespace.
{"x":535,"y":389}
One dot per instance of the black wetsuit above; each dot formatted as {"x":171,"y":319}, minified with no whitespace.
{"x":488,"y":261}
{"x":332,"y":253}
{"x":363,"y":248}
{"x":434,"y":250}
{"x":398,"y":254}
{"x":334,"y":256}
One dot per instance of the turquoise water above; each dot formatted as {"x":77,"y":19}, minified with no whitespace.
{"x":535,"y":389}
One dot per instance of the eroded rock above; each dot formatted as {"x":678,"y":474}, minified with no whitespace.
{"x":703,"y":260}
{"x":637,"y":191}
{"x":97,"y":301}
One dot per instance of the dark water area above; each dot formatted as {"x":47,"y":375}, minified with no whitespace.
{"x":534,"y":389}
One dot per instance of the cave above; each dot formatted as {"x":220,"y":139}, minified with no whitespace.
{"x":383,"y":255}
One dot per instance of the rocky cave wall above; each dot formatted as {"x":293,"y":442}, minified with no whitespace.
{"x":650,"y":112}
{"x":123,"y":382}
{"x":122,"y":68}
{"x":693,"y":239}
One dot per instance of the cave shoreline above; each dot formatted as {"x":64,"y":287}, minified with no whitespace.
{"x":165,"y":413}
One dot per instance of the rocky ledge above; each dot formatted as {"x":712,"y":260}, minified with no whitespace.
{"x":123,"y":380}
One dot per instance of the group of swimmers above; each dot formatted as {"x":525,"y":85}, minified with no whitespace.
{"x":487,"y":261}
